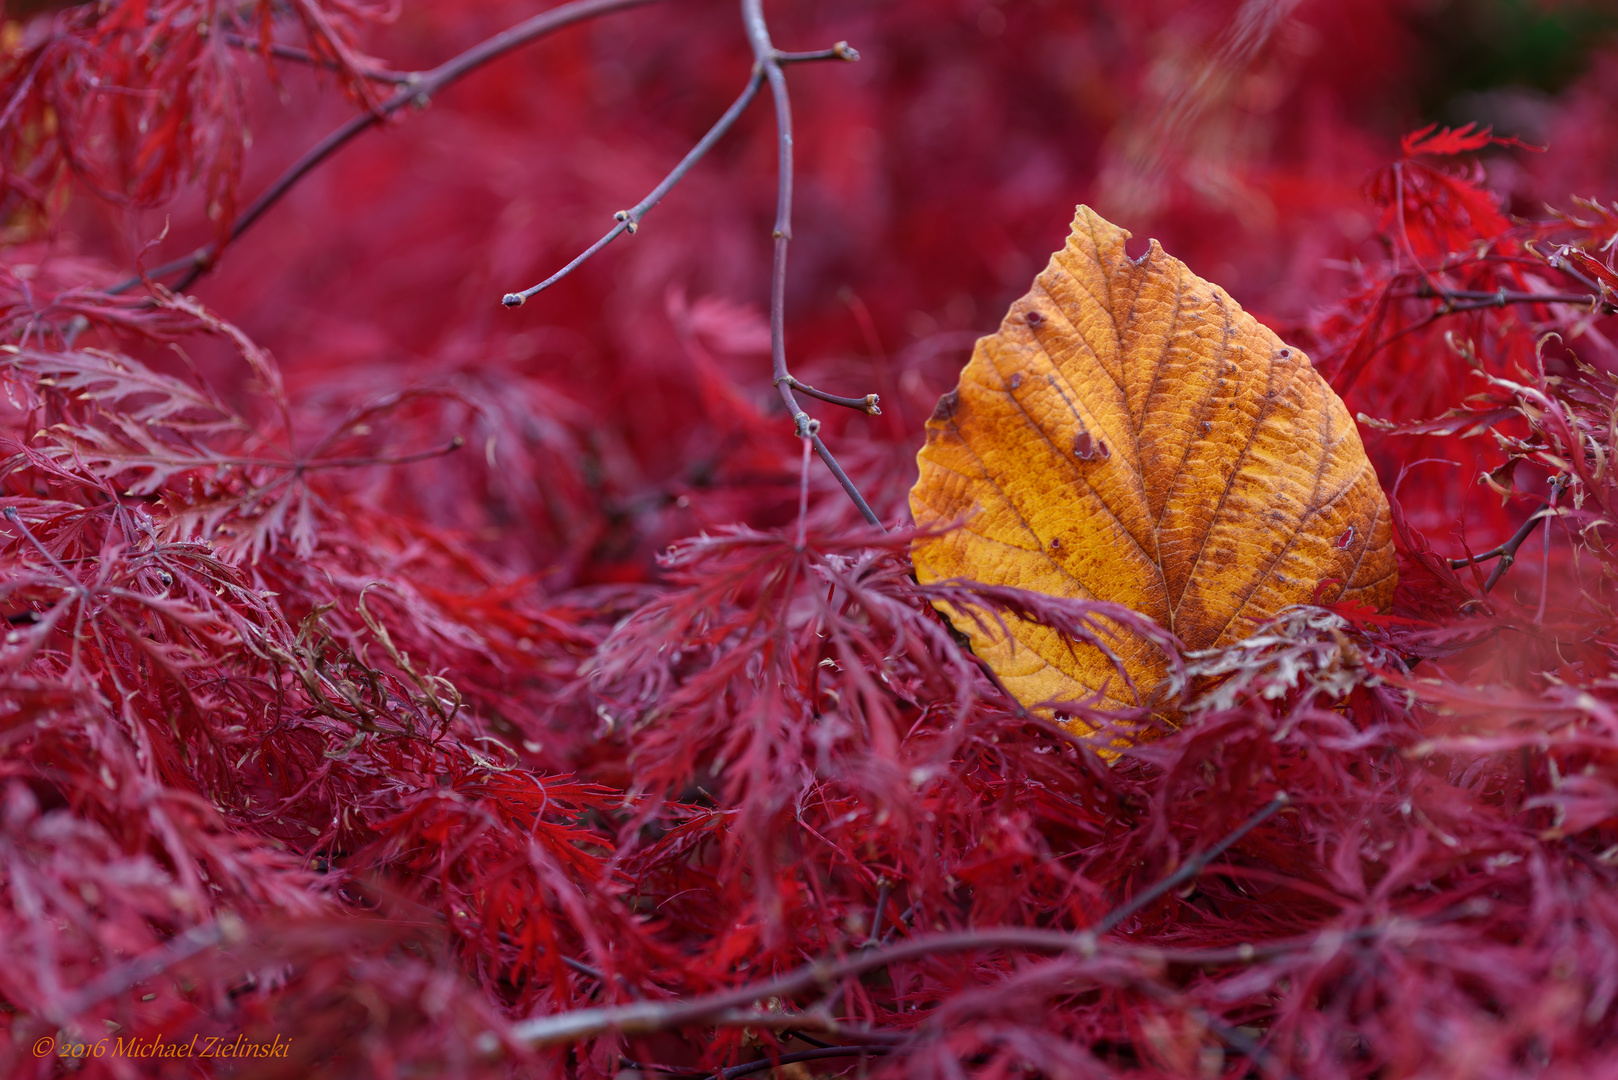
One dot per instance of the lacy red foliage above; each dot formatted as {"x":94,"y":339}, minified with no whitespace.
{"x":445,"y":690}
{"x":133,"y":99}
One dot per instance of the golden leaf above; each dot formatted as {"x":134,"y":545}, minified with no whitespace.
{"x":1132,"y":435}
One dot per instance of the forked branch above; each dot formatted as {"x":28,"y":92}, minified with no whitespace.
{"x":1507,"y":552}
{"x":417,"y":88}
{"x":767,"y":63}
{"x":867,"y":404}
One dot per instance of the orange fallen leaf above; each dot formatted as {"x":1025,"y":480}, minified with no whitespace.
{"x":1132,"y":435}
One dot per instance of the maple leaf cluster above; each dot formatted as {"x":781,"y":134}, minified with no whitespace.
{"x":428,"y":687}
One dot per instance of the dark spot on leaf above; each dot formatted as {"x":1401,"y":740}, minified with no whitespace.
{"x":946,"y":405}
{"x":1088,"y":448}
{"x":1016,"y":379}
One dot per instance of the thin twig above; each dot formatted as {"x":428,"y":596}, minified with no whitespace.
{"x":1545,"y":558}
{"x":355,"y":462}
{"x":1524,"y":531}
{"x":584,"y":969}
{"x":1484,"y":556}
{"x":629,"y":220}
{"x":803,"y":495}
{"x":1507,"y":552}
{"x":1491,"y":300}
{"x":818,"y":1019}
{"x":131,"y":973}
{"x":1509,"y":555}
{"x":875,"y":935}
{"x":1494,"y":300}
{"x":801,"y":1037}
{"x":304,"y":56}
{"x":818,"y":1054}
{"x":840,"y":51}
{"x":1248,"y":1048}
{"x":305,"y":465}
{"x":730,"y":1006}
{"x":1557,"y":262}
{"x":663,"y":1070}
{"x":1497,"y":298}
{"x":1190,"y":869}
{"x":1404,"y":232}
{"x":1456,"y":301}
{"x":419,"y":92}
{"x":768,"y":60}
{"x":869,"y":404}
{"x":842,"y":477}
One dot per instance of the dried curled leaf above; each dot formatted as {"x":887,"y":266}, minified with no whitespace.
{"x":1132,"y":435}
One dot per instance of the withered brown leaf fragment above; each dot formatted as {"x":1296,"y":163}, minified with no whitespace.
{"x":1132,"y":435}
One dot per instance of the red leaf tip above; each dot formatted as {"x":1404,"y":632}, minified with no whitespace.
{"x":1462,"y":140}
